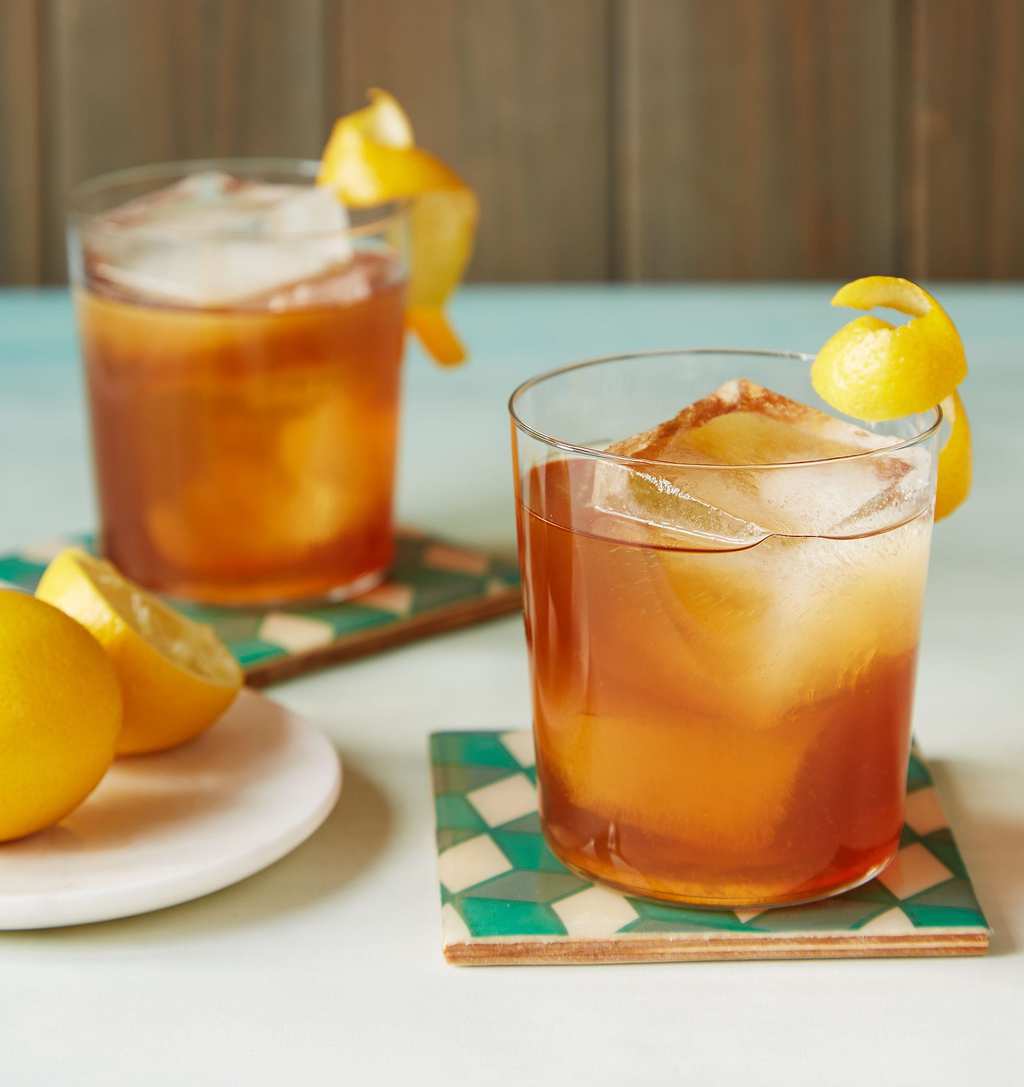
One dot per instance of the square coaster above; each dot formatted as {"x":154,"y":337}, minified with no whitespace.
{"x":506,"y":899}
{"x":434,"y":585}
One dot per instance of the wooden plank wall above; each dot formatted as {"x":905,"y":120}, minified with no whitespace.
{"x":964,"y":182}
{"x":757,"y":138}
{"x":20,"y":141}
{"x":622,"y":139}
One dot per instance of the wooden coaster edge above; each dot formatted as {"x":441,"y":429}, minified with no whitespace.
{"x":685,"y":949}
{"x":452,"y":617}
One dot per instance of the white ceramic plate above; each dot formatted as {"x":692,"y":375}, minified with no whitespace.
{"x":164,"y":829}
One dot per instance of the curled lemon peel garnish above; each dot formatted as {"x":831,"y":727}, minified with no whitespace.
{"x":371,"y":159}
{"x":955,"y":459}
{"x":874,"y":370}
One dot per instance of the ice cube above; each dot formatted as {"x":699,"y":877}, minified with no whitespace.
{"x":196,"y":205}
{"x":657,"y":501}
{"x":305,"y":211}
{"x":742,"y":422}
{"x":743,"y":425}
{"x":206,"y":186}
{"x":212,"y":241}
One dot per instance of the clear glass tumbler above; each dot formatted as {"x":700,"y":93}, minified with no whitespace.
{"x":243,"y":366}
{"x":722,"y":618}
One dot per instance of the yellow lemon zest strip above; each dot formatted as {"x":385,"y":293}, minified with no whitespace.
{"x":371,"y":159}
{"x":873,"y":370}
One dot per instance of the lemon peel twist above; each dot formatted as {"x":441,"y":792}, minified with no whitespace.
{"x":874,"y":370}
{"x":370,"y":159}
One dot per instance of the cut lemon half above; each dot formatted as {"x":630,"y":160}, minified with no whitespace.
{"x":371,"y":159}
{"x":874,"y":370}
{"x":177,"y":678}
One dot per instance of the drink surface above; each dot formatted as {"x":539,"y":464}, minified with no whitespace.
{"x":722,"y":715}
{"x":244,"y":420}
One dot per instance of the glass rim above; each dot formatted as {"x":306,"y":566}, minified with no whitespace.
{"x":617,"y":458}
{"x":382,"y":215}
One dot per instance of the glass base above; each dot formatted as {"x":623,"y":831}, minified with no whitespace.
{"x":797,"y":898}
{"x":304,"y":593}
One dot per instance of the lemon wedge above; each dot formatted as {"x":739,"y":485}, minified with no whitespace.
{"x":371,"y":159}
{"x":177,"y":677}
{"x":874,"y":370}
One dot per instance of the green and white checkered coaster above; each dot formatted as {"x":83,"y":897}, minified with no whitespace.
{"x":434,"y":585}
{"x":505,"y":898}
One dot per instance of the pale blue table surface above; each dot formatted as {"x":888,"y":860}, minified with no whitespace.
{"x":330,"y":957}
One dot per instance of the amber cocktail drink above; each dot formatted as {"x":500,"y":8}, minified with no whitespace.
{"x":722,"y":615}
{"x":242,"y":344}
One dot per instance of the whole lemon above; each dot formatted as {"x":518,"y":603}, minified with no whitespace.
{"x":60,"y":714}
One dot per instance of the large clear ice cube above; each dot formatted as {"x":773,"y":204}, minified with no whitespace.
{"x":814,"y":483}
{"x":212,"y":240}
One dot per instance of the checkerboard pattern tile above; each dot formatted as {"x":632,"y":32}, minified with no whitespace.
{"x":506,"y":898}
{"x":431,"y":580}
